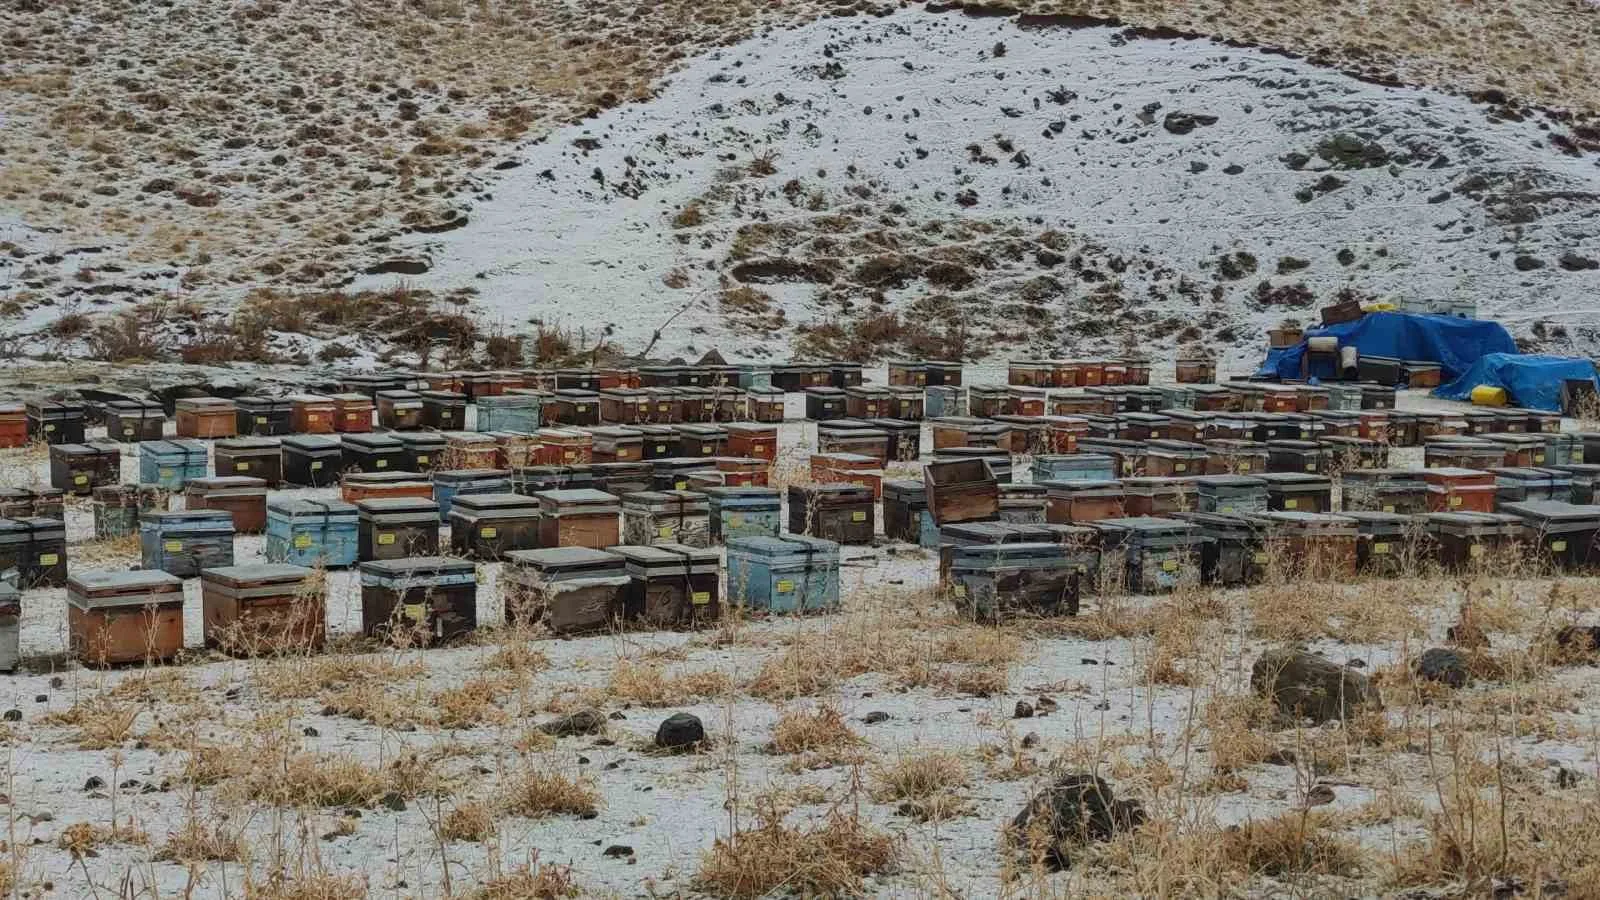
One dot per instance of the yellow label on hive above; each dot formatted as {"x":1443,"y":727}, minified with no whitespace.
{"x":241,"y":467}
{"x":385,"y":539}
{"x":128,"y":431}
{"x":1538,"y":457}
{"x":662,"y":407}
{"x":1180,"y":467}
{"x":705,"y":448}
{"x":1291,"y":504}
{"x":680,"y":485}
{"x":858,"y":516}
{"x":758,"y":450}
{"x":661,"y":448}
{"x":1388,"y":507}
{"x":784,"y":587}
{"x":488,"y":532}
{"x":166,"y":473}
{"x":571,"y":454}
{"x":700,"y":598}
{"x":1476,"y":550}
{"x":735,"y":519}
{"x":422,"y":459}
{"x":80,"y":479}
{"x":302,"y":541}
{"x":381,"y":464}
{"x":1311,"y":467}
{"x":49,"y":426}
{"x":1558,"y":546}
{"x":1169,"y":565}
{"x":313,"y":418}
{"x":1455,"y":501}
{"x":664,"y":531}
{"x":1260,"y":559}
{"x":582,"y":407}
{"x":172,"y":546}
{"x":48,"y":559}
{"x":416,"y":611}
{"x":1380,"y":547}
{"x":261,"y":420}
{"x":316,"y":464}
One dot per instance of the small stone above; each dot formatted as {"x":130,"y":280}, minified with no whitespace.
{"x":94,"y":783}
{"x":57,"y":683}
{"x":583,"y":760}
{"x":308,"y":731}
{"x":1526,"y":263}
{"x":41,"y":698}
{"x":1031,"y":739}
{"x":1046,"y":706}
{"x":1566,"y":779}
{"x":616,"y":851}
{"x":874,"y":717}
{"x":1445,"y":666}
{"x":1305,"y":684}
{"x":680,"y":731}
{"x":13,"y":715}
{"x":393,"y":802}
{"x":1024,"y":710}
{"x":584,"y":721}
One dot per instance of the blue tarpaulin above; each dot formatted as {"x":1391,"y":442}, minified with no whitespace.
{"x":1454,"y":343}
{"x":1533,"y":382}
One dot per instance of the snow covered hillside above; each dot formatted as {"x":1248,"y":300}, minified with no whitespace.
{"x":930,"y":182}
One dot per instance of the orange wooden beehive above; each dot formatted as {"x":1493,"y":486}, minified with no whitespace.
{"x":311,"y":414}
{"x":207,"y":417}
{"x":848,"y":468}
{"x":565,"y":447}
{"x":13,"y":425}
{"x":352,"y":413}
{"x":752,"y":440}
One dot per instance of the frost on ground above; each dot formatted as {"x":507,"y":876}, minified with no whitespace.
{"x":953,"y":186}
{"x":881,"y":749}
{"x":193,"y":181}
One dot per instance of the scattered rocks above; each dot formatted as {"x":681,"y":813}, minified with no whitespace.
{"x":1445,"y":666}
{"x":1045,"y":706}
{"x":1526,"y":263}
{"x":400,"y":266}
{"x":1183,"y":123}
{"x":393,"y":802}
{"x":1077,"y":809}
{"x":1578,"y":640}
{"x":680,"y":731}
{"x":619,"y":851}
{"x":1303,"y":684}
{"x":875,"y":717}
{"x":584,"y":721}
{"x":1023,"y":710}
{"x":13,"y":715}
{"x":1573,"y":262}
{"x":1347,"y":151}
{"x":308,"y":731}
{"x":94,"y":783}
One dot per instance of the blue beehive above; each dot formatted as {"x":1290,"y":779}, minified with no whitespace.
{"x":738,"y":512}
{"x":183,"y":543}
{"x":789,"y":574}
{"x":312,"y":533}
{"x":447,"y":484}
{"x":170,"y":464}
{"x":1074,"y":467}
{"x":509,"y":412}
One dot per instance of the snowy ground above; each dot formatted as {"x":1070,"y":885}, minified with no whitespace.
{"x":670,"y":809}
{"x":881,"y":131}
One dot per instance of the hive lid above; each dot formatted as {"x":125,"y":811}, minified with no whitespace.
{"x":179,"y":448}
{"x":196,"y":517}
{"x":459,"y":475}
{"x":140,"y":580}
{"x":495,"y":501}
{"x":300,"y":507}
{"x":312,"y":443}
{"x":563,"y":558}
{"x":417,"y":567}
{"x":249,"y":443}
{"x":373,"y":441}
{"x":391,"y":505}
{"x":270,"y":573}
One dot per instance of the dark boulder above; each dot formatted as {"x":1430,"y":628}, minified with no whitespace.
{"x":1303,"y":684}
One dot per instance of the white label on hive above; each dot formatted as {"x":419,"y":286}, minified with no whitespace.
{"x":381,"y":464}
{"x":385,"y":539}
{"x":661,"y":448}
{"x":488,"y":532}
{"x":858,"y":516}
{"x":128,"y":430}
{"x":1180,"y":467}
{"x":261,"y":420}
{"x":582,"y":407}
{"x":1558,"y":546}
{"x":701,"y":598}
{"x":706,"y":448}
{"x":241,"y":467}
{"x":316,"y":464}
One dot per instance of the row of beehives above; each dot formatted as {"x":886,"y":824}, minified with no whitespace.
{"x":137,"y":616}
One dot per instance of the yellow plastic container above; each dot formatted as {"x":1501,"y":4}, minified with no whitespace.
{"x":1484,"y":395}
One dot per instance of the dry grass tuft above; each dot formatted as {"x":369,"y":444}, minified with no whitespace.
{"x":649,"y":685}
{"x":310,"y":886}
{"x":1294,"y":843}
{"x":102,"y":723}
{"x":517,"y":656}
{"x":540,"y":792}
{"x":829,"y":859}
{"x":469,"y":821}
{"x":82,"y":839}
{"x":197,"y":842}
{"x":535,"y":882}
{"x":473,"y":703}
{"x":812,"y":731}
{"x":310,"y":676}
{"x":925,"y":786}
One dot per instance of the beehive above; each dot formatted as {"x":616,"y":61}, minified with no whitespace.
{"x":260,"y":609}
{"x":124,"y":617}
{"x":419,"y":600}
